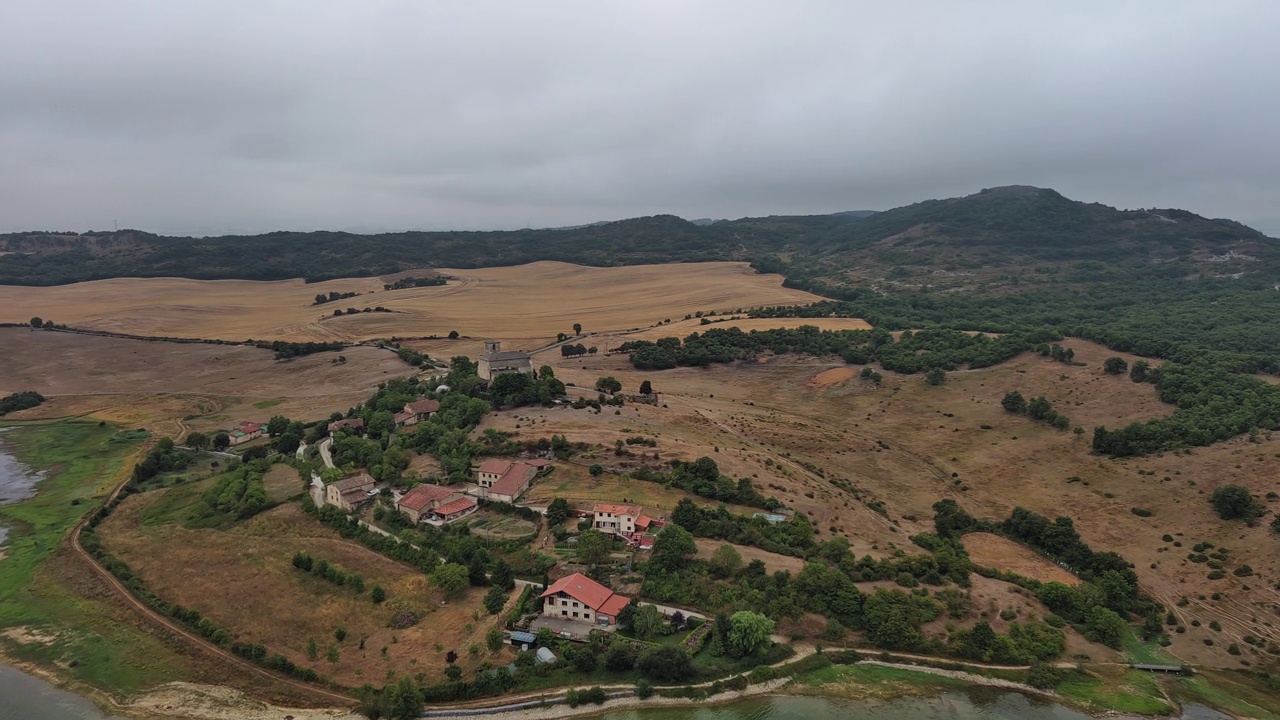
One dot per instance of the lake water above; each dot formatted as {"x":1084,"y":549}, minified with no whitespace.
{"x":28,"y":698}
{"x":23,"y":697}
{"x":979,"y":704}
{"x":17,"y":481}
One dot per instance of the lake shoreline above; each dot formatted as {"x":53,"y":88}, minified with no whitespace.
{"x":193,"y":701}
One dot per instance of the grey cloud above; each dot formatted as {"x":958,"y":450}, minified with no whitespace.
{"x":247,"y":117}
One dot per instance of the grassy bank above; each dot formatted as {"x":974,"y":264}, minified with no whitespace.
{"x":1116,"y":689}
{"x":871,"y":682}
{"x":51,"y":613}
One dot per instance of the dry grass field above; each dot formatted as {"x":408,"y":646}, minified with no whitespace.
{"x":992,"y":551}
{"x":837,"y":448}
{"x":202,"y":386}
{"x":773,"y":562}
{"x":243,"y":580}
{"x":528,"y":301}
{"x":861,"y":460}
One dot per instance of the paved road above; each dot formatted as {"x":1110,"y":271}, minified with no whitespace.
{"x":325,"y":444}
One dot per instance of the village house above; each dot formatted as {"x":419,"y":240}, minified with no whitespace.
{"x":435,"y":502}
{"x":495,"y":361}
{"x":348,"y":493}
{"x":506,"y":481}
{"x":416,"y":411}
{"x":624,"y":520}
{"x":245,"y":432}
{"x":578,"y":597}
{"x":355,"y":425}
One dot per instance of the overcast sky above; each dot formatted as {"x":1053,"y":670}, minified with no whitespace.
{"x":230,"y":116}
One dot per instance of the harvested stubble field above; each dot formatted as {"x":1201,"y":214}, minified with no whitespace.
{"x":243,"y":580}
{"x":222,"y":384}
{"x":528,"y":301}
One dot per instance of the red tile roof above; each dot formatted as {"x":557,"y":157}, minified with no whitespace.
{"x":454,"y":507}
{"x":405,"y":416}
{"x":424,"y":496}
{"x":514,"y":480}
{"x":632,"y":510}
{"x":588,"y":592}
{"x":355,"y":423}
{"x":249,"y":428}
{"x":496,"y":466}
{"x":643,"y":521}
{"x":422,"y":406}
{"x":613,"y":605}
{"x":361,"y":482}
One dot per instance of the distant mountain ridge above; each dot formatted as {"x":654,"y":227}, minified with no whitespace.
{"x":997,"y":227}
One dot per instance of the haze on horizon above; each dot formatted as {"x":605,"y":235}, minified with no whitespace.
{"x":237,"y":117}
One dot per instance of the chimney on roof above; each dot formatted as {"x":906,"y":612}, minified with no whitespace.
{"x":491,"y":346}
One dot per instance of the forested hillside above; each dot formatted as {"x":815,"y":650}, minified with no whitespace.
{"x":937,"y":243}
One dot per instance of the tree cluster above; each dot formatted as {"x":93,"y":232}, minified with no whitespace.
{"x":912,"y":352}
{"x":326,"y":570}
{"x":21,"y":400}
{"x":702,"y":477}
{"x":287,"y":350}
{"x":239,"y":493}
{"x":333,"y":295}
{"x":1039,"y":408}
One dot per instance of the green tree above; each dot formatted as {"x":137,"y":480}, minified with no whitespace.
{"x":198,"y":440}
{"x":593,"y":547}
{"x":277,"y":425}
{"x":495,"y":600}
{"x":1140,"y":371}
{"x":666,"y":663}
{"x":673,"y":548}
{"x":1105,"y":626}
{"x":1115,"y":366}
{"x":646,"y":388}
{"x":377,"y":594}
{"x":1235,"y":502}
{"x":596,"y":470}
{"x":221,"y":441}
{"x":453,"y":335}
{"x":451,"y":578}
{"x":494,"y":639}
{"x":748,"y":632}
{"x":936,"y":376}
{"x":37,"y":322}
{"x":644,"y":689}
{"x":608,"y":384}
{"x":403,"y":701}
{"x":558,"y":511}
{"x":725,"y":562}
{"x":331,"y":654}
{"x":577,"y":328}
{"x":1014,"y":402}
{"x":312,"y":649}
{"x":648,"y":623}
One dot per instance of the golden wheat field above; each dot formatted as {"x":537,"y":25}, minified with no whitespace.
{"x":528,"y":301}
